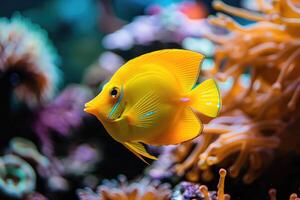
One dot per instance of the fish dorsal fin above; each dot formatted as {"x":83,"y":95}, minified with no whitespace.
{"x":139,"y":150}
{"x":184,"y":64}
{"x":144,"y":113}
{"x":186,"y":128}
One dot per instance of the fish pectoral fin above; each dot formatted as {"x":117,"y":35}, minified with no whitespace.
{"x":145,"y":112}
{"x":188,"y":127}
{"x":139,"y":150}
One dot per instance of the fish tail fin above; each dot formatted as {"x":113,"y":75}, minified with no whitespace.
{"x":206,"y":98}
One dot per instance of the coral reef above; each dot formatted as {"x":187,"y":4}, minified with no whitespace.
{"x":18,"y":177}
{"x":122,"y":190}
{"x":187,"y":190}
{"x":255,"y":117}
{"x":49,"y":148}
{"x":28,"y":61}
{"x":23,"y":163}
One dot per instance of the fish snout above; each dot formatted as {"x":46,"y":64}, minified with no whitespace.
{"x":91,"y":109}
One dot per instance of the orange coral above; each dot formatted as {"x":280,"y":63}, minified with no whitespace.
{"x":255,"y":116}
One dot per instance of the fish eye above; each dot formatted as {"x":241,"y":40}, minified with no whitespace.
{"x":114,"y":93}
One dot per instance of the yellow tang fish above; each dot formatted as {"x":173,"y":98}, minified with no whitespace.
{"x":152,"y":99}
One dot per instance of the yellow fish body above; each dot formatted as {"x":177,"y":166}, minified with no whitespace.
{"x":152,"y":99}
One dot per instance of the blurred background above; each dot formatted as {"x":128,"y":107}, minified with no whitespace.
{"x":76,"y":28}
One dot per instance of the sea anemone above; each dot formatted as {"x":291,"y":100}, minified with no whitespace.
{"x":257,"y":118}
{"x":28,"y":61}
{"x":120,"y":189}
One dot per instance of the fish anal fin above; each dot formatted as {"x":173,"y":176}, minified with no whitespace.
{"x":188,"y":127}
{"x":136,"y":154}
{"x":139,"y":150}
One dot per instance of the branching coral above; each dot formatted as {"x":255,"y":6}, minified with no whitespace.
{"x":255,"y":117}
{"x":122,"y":190}
{"x":28,"y":62}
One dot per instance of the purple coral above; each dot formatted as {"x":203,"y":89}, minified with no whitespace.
{"x":61,"y":115}
{"x":81,"y":160}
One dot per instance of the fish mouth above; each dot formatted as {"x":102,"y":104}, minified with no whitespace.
{"x":90,"y":109}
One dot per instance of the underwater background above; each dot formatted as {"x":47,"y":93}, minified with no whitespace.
{"x":56,"y":55}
